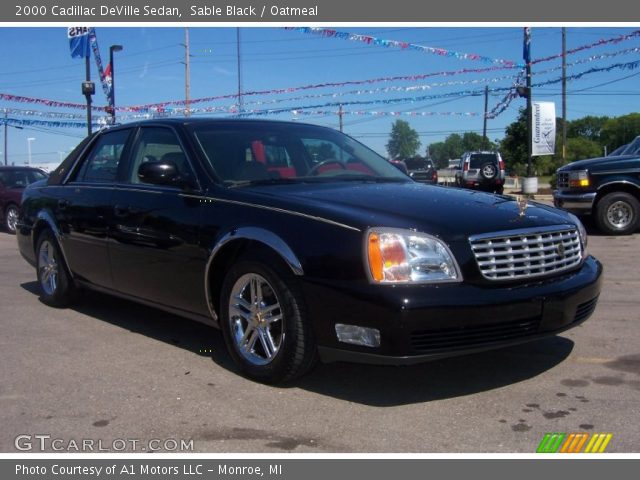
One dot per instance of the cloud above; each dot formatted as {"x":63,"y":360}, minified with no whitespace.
{"x":145,"y":69}
{"x":224,"y":71}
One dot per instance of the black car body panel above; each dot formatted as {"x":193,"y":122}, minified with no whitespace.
{"x":170,"y":246}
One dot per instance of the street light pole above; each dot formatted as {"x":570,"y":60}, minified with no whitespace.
{"x":113,"y":48}
{"x":29,"y":140}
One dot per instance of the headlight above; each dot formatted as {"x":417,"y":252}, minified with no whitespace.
{"x":404,"y":256}
{"x":582,"y":232}
{"x":579,"y":178}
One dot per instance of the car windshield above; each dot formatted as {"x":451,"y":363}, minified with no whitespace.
{"x":20,"y":178}
{"x":479,"y":159}
{"x":632,"y":149}
{"x":270,"y":153}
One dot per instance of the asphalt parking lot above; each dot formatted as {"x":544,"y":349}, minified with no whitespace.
{"x":112,"y":370}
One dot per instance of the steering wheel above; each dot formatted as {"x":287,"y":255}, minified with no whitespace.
{"x":315,"y":168}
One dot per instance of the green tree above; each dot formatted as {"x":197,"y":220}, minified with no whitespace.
{"x":581,"y":148}
{"x":404,"y":141}
{"x":513,"y":146}
{"x":588,"y":127}
{"x":620,"y":130}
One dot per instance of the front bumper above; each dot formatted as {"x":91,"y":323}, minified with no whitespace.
{"x":420,"y":323}
{"x":578,"y":203}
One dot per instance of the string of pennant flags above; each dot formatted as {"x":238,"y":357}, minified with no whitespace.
{"x":382,"y":42}
{"x":510,"y":95}
{"x":176,"y":107}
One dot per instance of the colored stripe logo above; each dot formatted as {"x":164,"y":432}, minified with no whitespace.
{"x":574,"y":443}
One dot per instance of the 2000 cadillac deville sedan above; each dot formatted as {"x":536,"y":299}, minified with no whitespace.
{"x":300,"y":243}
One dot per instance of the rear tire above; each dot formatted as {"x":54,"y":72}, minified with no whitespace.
{"x":54,"y":280}
{"x":264,"y":321}
{"x":617,"y":213}
{"x":11,"y":219}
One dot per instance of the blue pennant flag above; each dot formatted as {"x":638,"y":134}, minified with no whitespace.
{"x":79,"y":42}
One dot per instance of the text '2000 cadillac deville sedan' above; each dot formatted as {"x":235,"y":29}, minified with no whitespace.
{"x":301,"y":243}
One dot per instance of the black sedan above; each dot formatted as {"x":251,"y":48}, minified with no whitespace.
{"x":301,"y":243}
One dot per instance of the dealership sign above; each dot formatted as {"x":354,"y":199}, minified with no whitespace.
{"x":543,"y":128}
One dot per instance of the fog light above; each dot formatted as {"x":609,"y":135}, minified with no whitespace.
{"x":367,"y":337}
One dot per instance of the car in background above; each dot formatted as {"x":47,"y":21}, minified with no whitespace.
{"x":13,"y":181}
{"x":481,"y":171}
{"x":301,"y":243}
{"x":421,"y":170}
{"x":606,"y":188}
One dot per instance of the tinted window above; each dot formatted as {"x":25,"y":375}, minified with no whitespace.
{"x":102,"y":163}
{"x":20,"y":178}
{"x":158,"y":144}
{"x":257,"y":152}
{"x":479,"y":159}
{"x":417,"y":164}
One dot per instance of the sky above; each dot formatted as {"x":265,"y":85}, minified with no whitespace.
{"x":35,"y":62}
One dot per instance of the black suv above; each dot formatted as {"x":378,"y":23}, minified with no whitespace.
{"x":482,"y":171}
{"x":607,"y":188}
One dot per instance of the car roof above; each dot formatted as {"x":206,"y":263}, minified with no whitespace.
{"x":209,"y":120}
{"x":19,"y":167}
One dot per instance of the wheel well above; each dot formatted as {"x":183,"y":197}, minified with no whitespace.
{"x":40,"y":227}
{"x":228,"y":255}
{"x":617,"y":187}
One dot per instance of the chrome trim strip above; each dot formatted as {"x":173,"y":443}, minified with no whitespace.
{"x":250,"y":233}
{"x":626,"y":182}
{"x":615,"y":172}
{"x":273,"y":209}
{"x":46,"y":217}
{"x":524,"y":231}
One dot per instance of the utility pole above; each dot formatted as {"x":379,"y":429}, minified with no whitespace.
{"x":340,"y":114}
{"x":485,"y":140}
{"x":527,"y":34}
{"x":88,"y":89}
{"x":564,"y":95}
{"x":187,"y":73}
{"x":6,"y":120}
{"x":240,"y":107}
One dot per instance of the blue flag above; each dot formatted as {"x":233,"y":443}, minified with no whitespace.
{"x":79,"y":42}
{"x":526,"y":47}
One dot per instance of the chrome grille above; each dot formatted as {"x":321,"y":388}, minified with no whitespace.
{"x":562,"y":179}
{"x":526,"y":253}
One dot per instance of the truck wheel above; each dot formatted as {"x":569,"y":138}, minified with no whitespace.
{"x":617,"y":213}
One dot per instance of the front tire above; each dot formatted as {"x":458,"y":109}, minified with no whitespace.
{"x":11,"y":219}
{"x":264,"y":322}
{"x":53,"y":278}
{"x":617,"y":213}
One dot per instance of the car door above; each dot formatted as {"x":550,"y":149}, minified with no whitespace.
{"x":83,"y":208}
{"x":154,"y":231}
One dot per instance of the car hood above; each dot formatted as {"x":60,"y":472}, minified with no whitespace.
{"x":602,"y":162}
{"x":444,"y":211}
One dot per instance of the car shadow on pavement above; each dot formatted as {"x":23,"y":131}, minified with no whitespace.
{"x":379,"y":386}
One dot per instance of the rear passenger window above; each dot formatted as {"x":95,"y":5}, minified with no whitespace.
{"x":102,"y":164}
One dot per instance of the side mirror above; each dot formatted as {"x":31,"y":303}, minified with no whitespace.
{"x":160,"y":173}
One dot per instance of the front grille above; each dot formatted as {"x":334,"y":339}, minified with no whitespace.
{"x":562,"y":179}
{"x":470,"y":336}
{"x":526,"y":254}
{"x":585,"y":310}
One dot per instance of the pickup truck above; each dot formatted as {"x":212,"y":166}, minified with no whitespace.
{"x":607,"y":188}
